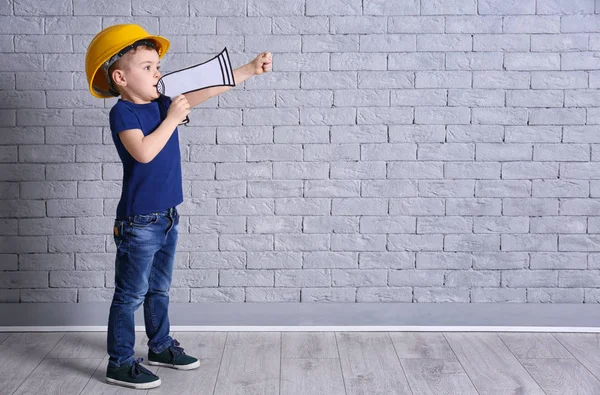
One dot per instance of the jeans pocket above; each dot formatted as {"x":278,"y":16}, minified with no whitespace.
{"x":143,"y":220}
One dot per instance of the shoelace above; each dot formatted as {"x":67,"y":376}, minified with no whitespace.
{"x":175,"y":349}
{"x":137,"y":369}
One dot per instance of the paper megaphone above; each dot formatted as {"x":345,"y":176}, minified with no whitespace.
{"x":214,"y":72}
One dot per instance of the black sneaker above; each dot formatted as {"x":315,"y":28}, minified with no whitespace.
{"x":132,"y":376}
{"x":173,"y":357}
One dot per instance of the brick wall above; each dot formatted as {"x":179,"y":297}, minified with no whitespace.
{"x":405,"y":151}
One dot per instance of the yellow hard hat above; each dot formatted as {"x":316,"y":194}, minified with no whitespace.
{"x":109,"y":45}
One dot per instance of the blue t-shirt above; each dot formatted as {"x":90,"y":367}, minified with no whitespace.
{"x":156,"y":185}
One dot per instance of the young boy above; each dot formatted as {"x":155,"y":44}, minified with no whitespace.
{"x":123,"y":60}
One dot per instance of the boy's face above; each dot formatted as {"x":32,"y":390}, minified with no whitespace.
{"x":138,"y":76}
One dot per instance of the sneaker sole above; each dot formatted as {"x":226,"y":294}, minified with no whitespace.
{"x":139,"y":386}
{"x":190,"y":366}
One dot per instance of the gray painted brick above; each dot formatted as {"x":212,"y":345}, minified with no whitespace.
{"x":382,"y":7}
{"x":300,"y":170}
{"x":473,"y":24}
{"x":415,"y":170}
{"x":474,"y":61}
{"x":549,"y":134}
{"x":417,"y":133}
{"x":330,"y":260}
{"x":471,"y":242}
{"x":441,"y":295}
{"x":379,"y":295}
{"x":472,"y":170}
{"x":291,"y":224}
{"x":358,"y":278}
{"x":302,"y":242}
{"x":75,"y":279}
{"x":306,"y":98}
{"x":358,"y":24}
{"x":503,"y":188}
{"x":332,"y":188}
{"x":500,"y":260}
{"x":37,"y":279}
{"x":389,"y":189}
{"x":443,"y":260}
{"x":48,"y":296}
{"x":415,"y":243}
{"x":554,"y":260}
{"x":275,"y":8}
{"x":217,"y":260}
{"x":280,"y":295}
{"x":331,"y":152}
{"x":416,"y":278}
{"x":301,"y":25}
{"x":472,"y":278}
{"x":531,"y":207}
{"x":416,"y":61}
{"x":22,"y":208}
{"x":529,"y":170}
{"x":549,"y":295}
{"x":330,"y":224}
{"x":506,"y":7}
{"x":501,"y":224}
{"x":328,"y":295}
{"x":390,"y":152}
{"x":303,"y":278}
{"x":334,"y":7}
{"x":476,"y":206}
{"x":452,"y":7}
{"x":531,"y":24}
{"x":415,"y":24}
{"x":436,"y":225}
{"x":217,"y":295}
{"x":562,"y":7}
{"x":387,"y":260}
{"x":579,"y":23}
{"x":292,"y":188}
{"x":495,"y":295}
{"x":385,"y":80}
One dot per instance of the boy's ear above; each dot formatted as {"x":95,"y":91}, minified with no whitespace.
{"x":118,"y":77}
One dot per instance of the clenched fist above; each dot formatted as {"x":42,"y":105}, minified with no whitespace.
{"x":262,"y":63}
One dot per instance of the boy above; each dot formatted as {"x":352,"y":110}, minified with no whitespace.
{"x":123,"y":60}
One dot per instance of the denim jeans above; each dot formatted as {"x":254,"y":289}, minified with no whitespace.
{"x":143,"y":272}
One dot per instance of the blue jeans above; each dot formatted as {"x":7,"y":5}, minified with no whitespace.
{"x":143,"y":272}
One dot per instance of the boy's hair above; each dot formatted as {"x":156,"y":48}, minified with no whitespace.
{"x":119,"y":61}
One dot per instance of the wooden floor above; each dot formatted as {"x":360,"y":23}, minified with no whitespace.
{"x":311,"y":363}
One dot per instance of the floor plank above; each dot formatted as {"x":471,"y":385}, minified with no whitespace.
{"x":20,"y":354}
{"x":369,"y":364}
{"x":421,"y":345}
{"x":534,"y":345}
{"x":585,"y":347}
{"x":251,"y":364}
{"x":205,"y":345}
{"x":59,"y":376}
{"x":4,"y":336}
{"x":311,"y":376}
{"x":492,"y":368}
{"x":562,"y":376}
{"x":90,"y":345}
{"x":437,"y":376}
{"x":308,"y":345}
